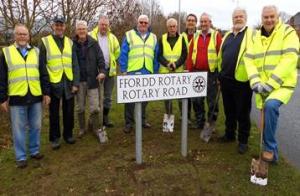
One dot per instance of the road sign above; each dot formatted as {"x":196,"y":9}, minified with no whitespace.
{"x":152,"y":87}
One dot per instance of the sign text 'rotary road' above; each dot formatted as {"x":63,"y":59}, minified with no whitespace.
{"x":140,"y":88}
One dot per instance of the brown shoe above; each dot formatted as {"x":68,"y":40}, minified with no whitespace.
{"x":267,"y":156}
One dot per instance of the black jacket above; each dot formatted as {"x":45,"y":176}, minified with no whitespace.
{"x":94,"y":61}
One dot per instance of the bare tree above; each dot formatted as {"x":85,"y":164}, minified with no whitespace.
{"x":123,"y":15}
{"x":29,"y":12}
{"x":37,"y":14}
{"x":80,"y":9}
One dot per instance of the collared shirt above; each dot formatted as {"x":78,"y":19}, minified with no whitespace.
{"x":240,"y":30}
{"x":143,"y":35}
{"x":23,"y":50}
{"x":104,"y":45}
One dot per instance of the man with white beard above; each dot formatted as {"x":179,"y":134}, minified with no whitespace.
{"x":235,"y":88}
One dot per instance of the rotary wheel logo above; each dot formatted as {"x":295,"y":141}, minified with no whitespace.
{"x":199,"y":84}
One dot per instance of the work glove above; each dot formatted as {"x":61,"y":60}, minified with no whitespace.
{"x":257,"y":87}
{"x":266,"y":89}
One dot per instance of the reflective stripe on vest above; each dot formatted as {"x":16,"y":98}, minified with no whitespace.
{"x":141,"y":52}
{"x":186,"y":39}
{"x":274,"y":59}
{"x":267,"y":54}
{"x":240,"y":73}
{"x":57,"y":62}
{"x":171,"y":55}
{"x":211,"y":50}
{"x":22,"y":74}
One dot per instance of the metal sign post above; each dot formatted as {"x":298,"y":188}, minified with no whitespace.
{"x":184,"y":121}
{"x":153,"y":87}
{"x":184,"y":127}
{"x":138,"y":132}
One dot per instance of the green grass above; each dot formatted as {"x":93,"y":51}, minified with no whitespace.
{"x":90,"y":168}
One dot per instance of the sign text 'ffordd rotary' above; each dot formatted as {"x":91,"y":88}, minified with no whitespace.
{"x":139,"y":88}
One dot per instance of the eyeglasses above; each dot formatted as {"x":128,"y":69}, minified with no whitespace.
{"x":191,"y":20}
{"x":143,"y":22}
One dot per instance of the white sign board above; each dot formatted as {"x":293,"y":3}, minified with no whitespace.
{"x":152,"y":87}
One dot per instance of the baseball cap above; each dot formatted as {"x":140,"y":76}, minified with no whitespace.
{"x":59,"y":18}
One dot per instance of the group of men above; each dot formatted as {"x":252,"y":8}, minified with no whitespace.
{"x":56,"y":72}
{"x":245,"y":60}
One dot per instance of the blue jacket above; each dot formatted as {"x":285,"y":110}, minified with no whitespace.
{"x":123,"y":59}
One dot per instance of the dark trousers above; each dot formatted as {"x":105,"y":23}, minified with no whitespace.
{"x":237,"y":107}
{"x":129,"y":114}
{"x":68,"y":118}
{"x":199,"y":104}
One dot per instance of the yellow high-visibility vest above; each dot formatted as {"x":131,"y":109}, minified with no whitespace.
{"x":172,"y":55}
{"x":58,"y":62}
{"x":240,"y":73}
{"x":114,"y":50}
{"x":211,"y":50}
{"x":141,"y":52}
{"x":186,"y":39}
{"x":22,"y":74}
{"x":273,"y":60}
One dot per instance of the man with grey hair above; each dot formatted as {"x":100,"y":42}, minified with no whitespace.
{"x":235,"y":88}
{"x":172,"y":53}
{"x":203,"y":52}
{"x":110,"y":47}
{"x":138,"y":56}
{"x":271,"y":66}
{"x":91,"y":64}
{"x":24,"y":84}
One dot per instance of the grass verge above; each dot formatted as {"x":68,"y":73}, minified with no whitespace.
{"x":90,"y":168}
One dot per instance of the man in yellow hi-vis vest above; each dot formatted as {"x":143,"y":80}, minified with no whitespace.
{"x":235,"y":88}
{"x":138,"y":56}
{"x":271,"y":66}
{"x":24,"y":84}
{"x":110,"y":47}
{"x":172,"y":54}
{"x":203,"y":51}
{"x":56,"y":54}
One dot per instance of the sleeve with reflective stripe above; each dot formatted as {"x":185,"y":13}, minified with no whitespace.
{"x":288,"y":60}
{"x":251,"y":69}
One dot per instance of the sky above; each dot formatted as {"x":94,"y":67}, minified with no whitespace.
{"x":221,"y":10}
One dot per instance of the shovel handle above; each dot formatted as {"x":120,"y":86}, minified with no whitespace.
{"x":101,"y":98}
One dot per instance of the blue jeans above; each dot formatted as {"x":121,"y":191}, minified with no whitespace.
{"x":271,"y":110}
{"x":25,"y":118}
